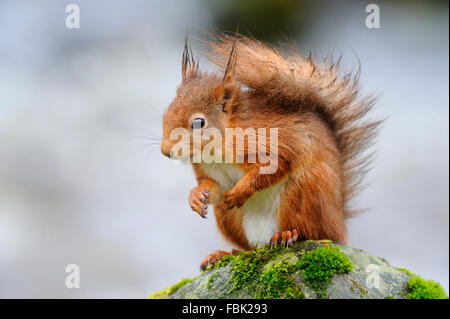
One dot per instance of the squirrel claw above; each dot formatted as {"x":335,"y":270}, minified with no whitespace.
{"x":287,"y":238}
{"x":203,"y":211}
{"x":275,"y":240}
{"x":205,"y":193}
{"x":198,"y":200}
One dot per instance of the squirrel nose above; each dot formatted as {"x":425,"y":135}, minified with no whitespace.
{"x":165,"y":149}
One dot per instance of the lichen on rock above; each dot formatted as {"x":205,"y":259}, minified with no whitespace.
{"x":309,"y":269}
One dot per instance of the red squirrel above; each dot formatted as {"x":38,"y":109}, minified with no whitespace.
{"x":322,"y":135}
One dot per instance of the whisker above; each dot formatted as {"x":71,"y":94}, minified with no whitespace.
{"x":147,"y":131}
{"x":147,"y":134}
{"x":155,"y":141}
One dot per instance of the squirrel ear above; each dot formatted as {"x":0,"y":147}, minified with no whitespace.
{"x":228,"y":88}
{"x":189,"y":67}
{"x":231,"y":65}
{"x":228,"y":93}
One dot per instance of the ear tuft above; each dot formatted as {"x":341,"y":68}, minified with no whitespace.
{"x":231,"y":64}
{"x":189,"y":66}
{"x":228,"y":90}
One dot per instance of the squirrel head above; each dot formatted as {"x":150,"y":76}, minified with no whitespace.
{"x":202,"y":101}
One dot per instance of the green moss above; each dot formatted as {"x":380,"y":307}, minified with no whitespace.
{"x":265,"y":273}
{"x":166,"y":292}
{"x":276,"y":282}
{"x":246,"y":266}
{"x":222,"y":262}
{"x":248,"y":272}
{"x":274,"y":273}
{"x":425,"y":289}
{"x":405,"y":271}
{"x":319,"y":266}
{"x":419,"y":288}
{"x":259,"y":272}
{"x":210,"y":281}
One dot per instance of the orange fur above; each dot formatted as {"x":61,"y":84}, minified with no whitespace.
{"x":321,"y":134}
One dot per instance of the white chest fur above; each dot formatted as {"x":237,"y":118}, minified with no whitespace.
{"x":259,"y":213}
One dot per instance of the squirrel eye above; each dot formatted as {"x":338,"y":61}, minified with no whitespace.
{"x":198,"y":123}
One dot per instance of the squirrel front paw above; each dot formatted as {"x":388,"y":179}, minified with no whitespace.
{"x":235,"y":198}
{"x":198,"y":200}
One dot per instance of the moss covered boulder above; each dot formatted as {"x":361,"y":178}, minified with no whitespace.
{"x":308,"y":270}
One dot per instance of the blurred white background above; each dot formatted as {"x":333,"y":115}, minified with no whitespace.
{"x":78,"y":185}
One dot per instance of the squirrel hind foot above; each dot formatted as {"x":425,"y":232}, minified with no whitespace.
{"x":284,"y":238}
{"x":212,"y":258}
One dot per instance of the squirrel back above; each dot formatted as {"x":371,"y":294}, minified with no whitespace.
{"x":297,"y":84}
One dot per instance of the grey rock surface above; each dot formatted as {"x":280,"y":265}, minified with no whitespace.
{"x":371,"y":277}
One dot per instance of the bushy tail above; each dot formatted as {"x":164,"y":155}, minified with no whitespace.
{"x":294,"y":81}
